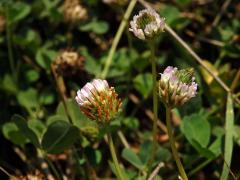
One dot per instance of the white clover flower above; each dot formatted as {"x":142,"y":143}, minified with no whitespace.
{"x":147,"y":24}
{"x":98,"y":101}
{"x":176,"y":87}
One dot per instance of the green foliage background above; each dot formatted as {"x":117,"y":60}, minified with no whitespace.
{"x":34,"y":122}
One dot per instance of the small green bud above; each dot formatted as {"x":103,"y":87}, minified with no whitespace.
{"x":147,"y":24}
{"x":90,"y":132}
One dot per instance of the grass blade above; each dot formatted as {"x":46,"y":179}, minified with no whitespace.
{"x":229,"y":129}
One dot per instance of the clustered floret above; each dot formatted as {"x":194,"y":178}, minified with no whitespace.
{"x":74,"y":12}
{"x":176,"y":87}
{"x":147,"y":24}
{"x":98,"y":101}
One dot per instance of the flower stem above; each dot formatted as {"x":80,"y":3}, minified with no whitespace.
{"x":200,"y":166}
{"x":172,"y":143}
{"x":114,"y":157}
{"x":155,"y":103}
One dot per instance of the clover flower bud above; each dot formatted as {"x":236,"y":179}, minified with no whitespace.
{"x":98,"y":101}
{"x":69,"y":63}
{"x":74,"y":12}
{"x":176,"y":87}
{"x":147,"y":24}
{"x":90,"y":132}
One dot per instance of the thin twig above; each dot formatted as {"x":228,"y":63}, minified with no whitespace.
{"x":144,"y":3}
{"x":161,"y":125}
{"x":123,"y":139}
{"x":234,"y":85}
{"x":235,"y":81}
{"x":148,"y":112}
{"x":211,"y":41}
{"x":7,"y":173}
{"x":60,"y":83}
{"x":221,"y":12}
{"x":20,"y":154}
{"x":206,"y":40}
{"x":155,"y":171}
{"x":61,"y":90}
{"x":29,"y":61}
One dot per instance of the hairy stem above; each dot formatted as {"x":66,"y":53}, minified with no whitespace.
{"x":173,"y":147}
{"x":155,"y":103}
{"x":114,"y":157}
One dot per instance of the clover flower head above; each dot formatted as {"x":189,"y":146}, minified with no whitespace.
{"x":69,"y":63}
{"x":74,"y":12}
{"x":98,"y":101}
{"x":176,"y":87}
{"x":147,"y":24}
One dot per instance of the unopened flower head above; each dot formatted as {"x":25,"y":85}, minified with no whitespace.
{"x":98,"y":101}
{"x":69,"y":63}
{"x":74,"y":12}
{"x":90,"y":132}
{"x":176,"y":87}
{"x":147,"y":24}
